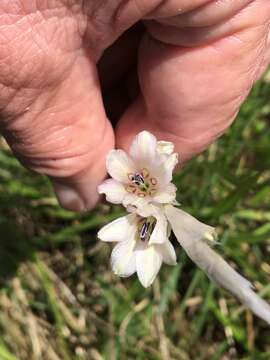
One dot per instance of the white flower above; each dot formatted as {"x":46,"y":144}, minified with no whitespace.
{"x":144,"y":175}
{"x":142,"y":183}
{"x":142,"y":246}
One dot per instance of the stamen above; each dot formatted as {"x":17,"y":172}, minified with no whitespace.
{"x":147,"y":228}
{"x":145,"y":173}
{"x":153,"y":181}
{"x":130,"y":176}
{"x":131,"y":189}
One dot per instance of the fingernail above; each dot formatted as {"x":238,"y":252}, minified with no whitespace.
{"x":68,"y":198}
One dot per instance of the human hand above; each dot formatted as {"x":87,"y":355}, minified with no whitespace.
{"x":197,"y":61}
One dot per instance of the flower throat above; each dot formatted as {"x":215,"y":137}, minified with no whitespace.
{"x":142,"y":184}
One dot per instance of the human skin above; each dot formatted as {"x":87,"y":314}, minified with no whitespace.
{"x":182,"y":75}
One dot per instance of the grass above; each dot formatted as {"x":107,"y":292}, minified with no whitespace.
{"x":59,"y":299}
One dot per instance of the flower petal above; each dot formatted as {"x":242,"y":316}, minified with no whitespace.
{"x":172,"y":161}
{"x":134,"y":203}
{"x":161,"y":169}
{"x":165,"y":147}
{"x":123,"y":258}
{"x":113,"y":190}
{"x":148,"y":263}
{"x":119,"y":165}
{"x":185,"y":227}
{"x":159,"y":234}
{"x":166,"y":195}
{"x":143,"y":147}
{"x":168,"y":253}
{"x":118,"y":230}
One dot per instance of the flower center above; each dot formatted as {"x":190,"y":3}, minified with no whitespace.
{"x":141,"y":183}
{"x":146,"y":228}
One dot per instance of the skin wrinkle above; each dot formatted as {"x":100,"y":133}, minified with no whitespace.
{"x":214,"y":100}
{"x":43,"y":142}
{"x":33,"y":60}
{"x":141,"y":12}
{"x":179,"y":127}
{"x":205,"y":35}
{"x":47,"y":144}
{"x":176,"y":7}
{"x":208,"y":14}
{"x":37,"y":54}
{"x":67,"y":165}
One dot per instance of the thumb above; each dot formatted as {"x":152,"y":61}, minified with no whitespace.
{"x":65,"y":134}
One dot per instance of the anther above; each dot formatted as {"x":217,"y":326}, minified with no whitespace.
{"x":137,"y":179}
{"x":144,"y":230}
{"x":153,"y":181}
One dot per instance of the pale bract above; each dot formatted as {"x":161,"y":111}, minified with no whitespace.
{"x":141,"y":182}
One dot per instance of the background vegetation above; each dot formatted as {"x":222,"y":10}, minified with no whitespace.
{"x":59,"y":299}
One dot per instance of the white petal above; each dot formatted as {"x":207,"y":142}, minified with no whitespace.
{"x":144,"y":208}
{"x":143,"y":147}
{"x":166,"y":195}
{"x":113,"y":190}
{"x":172,"y":161}
{"x":159,"y":234}
{"x":161,"y":169}
{"x":213,"y":265}
{"x":165,"y":147}
{"x":168,"y":253}
{"x":123,"y":258}
{"x":134,"y":203}
{"x":119,"y":165}
{"x":118,"y":230}
{"x":148,"y":263}
{"x":186,"y":226}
